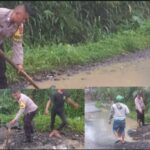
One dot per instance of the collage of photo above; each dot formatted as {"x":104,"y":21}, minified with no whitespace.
{"x":74,"y":75}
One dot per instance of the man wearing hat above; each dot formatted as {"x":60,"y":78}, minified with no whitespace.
{"x":118,"y":113}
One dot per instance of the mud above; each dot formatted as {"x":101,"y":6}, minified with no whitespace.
{"x":69,"y":140}
{"x":131,"y":69}
{"x":142,"y":133}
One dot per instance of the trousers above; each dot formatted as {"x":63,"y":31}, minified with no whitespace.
{"x":62,"y":116}
{"x":3,"y":79}
{"x":28,"y":127}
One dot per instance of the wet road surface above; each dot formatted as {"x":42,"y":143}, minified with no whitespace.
{"x":98,"y":133}
{"x":130,"y":72}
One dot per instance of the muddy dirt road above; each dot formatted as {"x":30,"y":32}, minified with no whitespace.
{"x":69,"y":140}
{"x":99,"y":134}
{"x":126,"y":70}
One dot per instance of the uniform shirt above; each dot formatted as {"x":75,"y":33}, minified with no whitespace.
{"x":26,"y":106}
{"x":58,"y":100}
{"x":14,"y":31}
{"x":139,"y":104}
{"x":119,"y":111}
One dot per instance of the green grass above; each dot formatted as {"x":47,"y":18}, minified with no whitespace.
{"x":75,"y":124}
{"x":133,"y":116}
{"x":42,"y":122}
{"x":50,"y":57}
{"x":98,"y":104}
{"x":5,"y":118}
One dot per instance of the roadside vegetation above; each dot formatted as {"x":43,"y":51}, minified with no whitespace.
{"x":63,"y":34}
{"x":108,"y":95}
{"x":42,"y":121}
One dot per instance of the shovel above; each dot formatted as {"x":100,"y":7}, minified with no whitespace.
{"x":23,"y":73}
{"x":8,"y":133}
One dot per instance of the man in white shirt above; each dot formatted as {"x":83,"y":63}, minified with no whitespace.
{"x":140,"y":108}
{"x":27,"y":108}
{"x":118,"y":113}
{"x":12,"y":26}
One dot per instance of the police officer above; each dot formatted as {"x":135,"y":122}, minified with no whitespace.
{"x":12,"y":25}
{"x":28,"y":108}
{"x":57,"y":99}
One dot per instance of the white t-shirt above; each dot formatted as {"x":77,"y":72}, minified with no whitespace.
{"x":139,"y":104}
{"x":119,"y":111}
{"x":26,"y":106}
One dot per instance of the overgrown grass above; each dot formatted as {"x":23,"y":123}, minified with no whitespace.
{"x":133,"y":116}
{"x":42,"y":122}
{"x":49,"y":57}
{"x":98,"y":104}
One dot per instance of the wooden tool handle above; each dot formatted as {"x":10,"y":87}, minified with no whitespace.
{"x":6,"y":142}
{"x":72,"y":103}
{"x":23,"y":73}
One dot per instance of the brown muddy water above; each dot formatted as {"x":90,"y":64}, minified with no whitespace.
{"x":98,"y":133}
{"x":133,"y":72}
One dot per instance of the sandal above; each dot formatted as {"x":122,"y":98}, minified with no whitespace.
{"x":117,"y":141}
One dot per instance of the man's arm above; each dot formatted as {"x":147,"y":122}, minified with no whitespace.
{"x":138,"y":106}
{"x":19,"y":114}
{"x":143,"y":102}
{"x":22,"y":105}
{"x":18,"y":48}
{"x":111,"y":114}
{"x":47,"y":107}
{"x":127,"y":110}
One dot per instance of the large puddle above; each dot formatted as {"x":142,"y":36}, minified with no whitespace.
{"x":131,"y":73}
{"x":99,"y":133}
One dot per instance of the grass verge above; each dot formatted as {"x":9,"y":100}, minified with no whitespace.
{"x":42,"y":122}
{"x":49,"y":57}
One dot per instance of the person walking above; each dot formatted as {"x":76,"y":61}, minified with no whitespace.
{"x":57,"y":100}
{"x":118,"y":114}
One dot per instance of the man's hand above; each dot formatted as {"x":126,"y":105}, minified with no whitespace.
{"x":47,"y":107}
{"x":46,"y":112}
{"x":12,"y":122}
{"x":20,"y":68}
{"x":141,"y":112}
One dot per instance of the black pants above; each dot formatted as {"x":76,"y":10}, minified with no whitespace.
{"x":62,"y":116}
{"x":28,"y":127}
{"x":140,"y":117}
{"x":3,"y":79}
